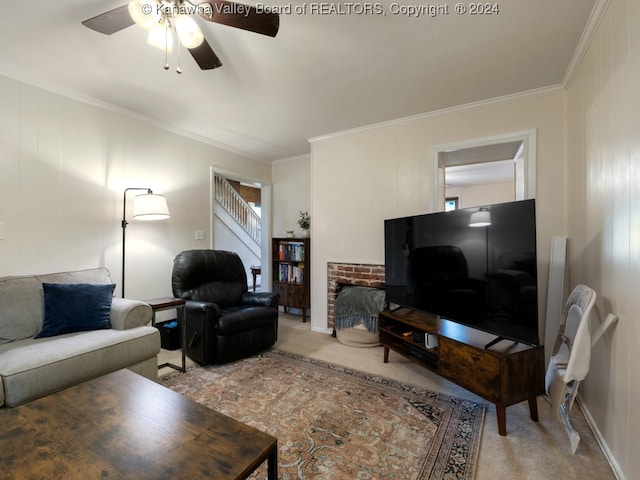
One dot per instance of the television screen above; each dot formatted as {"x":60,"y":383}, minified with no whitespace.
{"x":475,"y":266}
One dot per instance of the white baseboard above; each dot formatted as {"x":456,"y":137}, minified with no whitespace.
{"x":600,"y":439}
{"x":328,"y":331}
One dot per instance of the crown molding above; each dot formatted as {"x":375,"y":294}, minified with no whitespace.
{"x":595,"y":18}
{"x":435,"y":113}
{"x":588,"y":33}
{"x":87,"y":100}
{"x":599,"y":9}
{"x":304,"y":156}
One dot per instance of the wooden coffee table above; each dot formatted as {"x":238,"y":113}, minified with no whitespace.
{"x":124,"y":426}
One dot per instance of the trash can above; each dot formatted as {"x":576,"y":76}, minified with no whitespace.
{"x":170,"y":334}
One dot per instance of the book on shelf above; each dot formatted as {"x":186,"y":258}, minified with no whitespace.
{"x":291,"y":251}
{"x":291,"y":273}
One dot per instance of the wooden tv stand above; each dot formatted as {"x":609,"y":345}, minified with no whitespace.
{"x":504,"y":374}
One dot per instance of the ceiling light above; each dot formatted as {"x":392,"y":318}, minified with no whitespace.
{"x":188,"y":31}
{"x":144,"y":12}
{"x":160,"y":37}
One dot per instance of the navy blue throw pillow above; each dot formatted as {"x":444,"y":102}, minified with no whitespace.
{"x":75,"y":307}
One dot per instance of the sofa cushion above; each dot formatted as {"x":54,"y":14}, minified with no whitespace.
{"x":75,"y":307}
{"x":21,"y":312}
{"x":93,"y":276}
{"x":32,"y":368}
{"x":22,"y":300}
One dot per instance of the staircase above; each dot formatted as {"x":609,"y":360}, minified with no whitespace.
{"x":247,"y":225}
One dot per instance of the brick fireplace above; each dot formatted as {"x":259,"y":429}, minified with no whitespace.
{"x":340,"y":274}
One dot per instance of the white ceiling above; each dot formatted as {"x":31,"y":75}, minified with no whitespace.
{"x":482,"y":165}
{"x":493,"y":173}
{"x":320,"y":74}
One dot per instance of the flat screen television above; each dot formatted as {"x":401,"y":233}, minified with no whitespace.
{"x":475,"y":266}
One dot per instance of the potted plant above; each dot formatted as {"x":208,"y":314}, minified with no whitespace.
{"x":305,"y":222}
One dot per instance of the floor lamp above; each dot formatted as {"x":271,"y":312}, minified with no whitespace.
{"x":482,"y":218}
{"x":147,"y":206}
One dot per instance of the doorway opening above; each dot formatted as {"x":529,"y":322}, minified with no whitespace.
{"x":484,"y":171}
{"x":240,"y":221}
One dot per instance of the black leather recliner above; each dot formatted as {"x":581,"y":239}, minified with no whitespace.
{"x":224,"y":320}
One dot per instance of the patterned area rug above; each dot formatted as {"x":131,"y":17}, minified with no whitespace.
{"x":335,"y":423}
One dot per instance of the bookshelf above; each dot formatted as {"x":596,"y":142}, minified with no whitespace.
{"x":290,"y":271}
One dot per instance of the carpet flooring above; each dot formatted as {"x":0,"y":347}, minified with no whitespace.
{"x":334,"y":422}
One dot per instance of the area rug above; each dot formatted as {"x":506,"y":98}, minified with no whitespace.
{"x":334,"y":423}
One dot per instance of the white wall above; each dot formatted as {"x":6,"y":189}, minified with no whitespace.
{"x":291,"y":195}
{"x":478,"y":195}
{"x":603,"y":106}
{"x":362,"y":177}
{"x":228,"y":235}
{"x":63,"y":168}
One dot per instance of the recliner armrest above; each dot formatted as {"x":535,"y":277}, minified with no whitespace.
{"x":198,"y":306}
{"x":260,"y":299}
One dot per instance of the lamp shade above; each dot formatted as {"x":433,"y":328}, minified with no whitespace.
{"x":150,"y":207}
{"x":481,"y":218}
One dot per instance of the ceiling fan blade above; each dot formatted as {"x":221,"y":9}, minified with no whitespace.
{"x":110,"y":22}
{"x":205,"y":57}
{"x":241,"y":16}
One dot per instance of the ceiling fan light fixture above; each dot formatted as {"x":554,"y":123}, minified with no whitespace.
{"x":160,"y":37}
{"x":144,"y":12}
{"x":160,"y":17}
{"x":188,"y":31}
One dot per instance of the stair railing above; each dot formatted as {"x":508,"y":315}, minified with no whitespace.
{"x":241,"y":211}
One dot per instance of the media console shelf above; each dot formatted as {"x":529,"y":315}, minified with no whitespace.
{"x":505,"y":374}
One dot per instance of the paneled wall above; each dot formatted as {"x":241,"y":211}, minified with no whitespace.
{"x":362,"y":177}
{"x":64,"y":166}
{"x":474,"y":196}
{"x":603,"y":118}
{"x":291,"y":183}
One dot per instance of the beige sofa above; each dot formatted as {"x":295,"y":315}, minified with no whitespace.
{"x":33,"y":367}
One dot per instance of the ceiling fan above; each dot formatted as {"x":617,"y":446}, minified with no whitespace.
{"x":162,"y":17}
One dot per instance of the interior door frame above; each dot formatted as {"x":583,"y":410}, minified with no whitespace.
{"x":525,"y":174}
{"x":265,"y":200}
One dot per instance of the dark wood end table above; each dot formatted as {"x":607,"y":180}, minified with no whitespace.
{"x":255,"y":271}
{"x":169,"y":303}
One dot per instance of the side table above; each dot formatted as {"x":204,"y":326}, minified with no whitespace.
{"x":255,"y":271}
{"x":168,"y":303}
